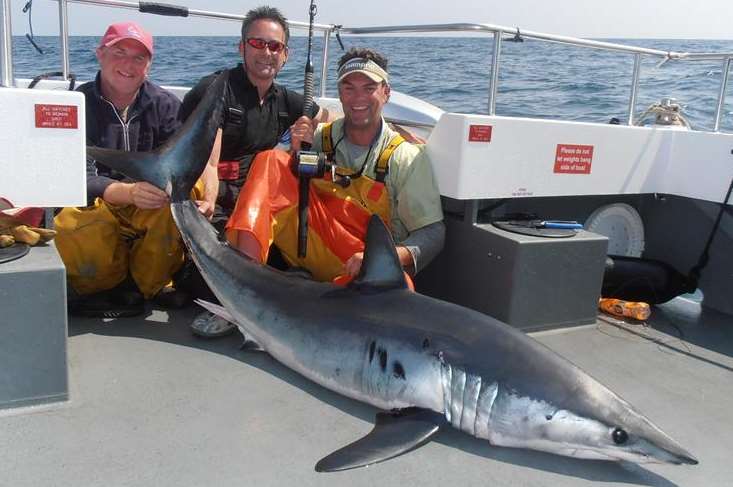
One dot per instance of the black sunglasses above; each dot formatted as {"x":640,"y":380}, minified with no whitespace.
{"x":273,"y":46}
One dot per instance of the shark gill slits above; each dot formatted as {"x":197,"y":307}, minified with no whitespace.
{"x":620,"y":436}
{"x":372,"y":348}
{"x":398,"y":370}
{"x":382,"y":359}
{"x":426,"y":343}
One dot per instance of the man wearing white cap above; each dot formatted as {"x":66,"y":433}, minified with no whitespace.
{"x":374,"y":171}
{"x":124,"y":246}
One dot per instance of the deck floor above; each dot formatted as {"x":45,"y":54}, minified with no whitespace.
{"x":153,"y":405}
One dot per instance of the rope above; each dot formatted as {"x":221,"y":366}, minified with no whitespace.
{"x":666,"y":114}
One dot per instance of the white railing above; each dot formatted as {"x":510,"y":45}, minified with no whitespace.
{"x":6,"y":45}
{"x":496,"y":30}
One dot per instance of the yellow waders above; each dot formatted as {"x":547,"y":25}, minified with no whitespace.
{"x":102,"y":243}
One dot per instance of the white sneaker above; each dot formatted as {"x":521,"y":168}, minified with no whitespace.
{"x":208,"y":325}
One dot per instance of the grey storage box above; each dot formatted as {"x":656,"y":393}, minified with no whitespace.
{"x":33,"y":329}
{"x":528,"y":282}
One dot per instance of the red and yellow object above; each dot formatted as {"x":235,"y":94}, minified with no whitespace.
{"x":338,"y":215}
{"x":628,"y":309}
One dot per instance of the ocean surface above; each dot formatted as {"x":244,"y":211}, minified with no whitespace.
{"x":537,"y":79}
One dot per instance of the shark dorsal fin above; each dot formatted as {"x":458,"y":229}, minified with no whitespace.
{"x":381,"y":269}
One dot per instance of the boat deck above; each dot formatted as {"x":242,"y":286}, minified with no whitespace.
{"x":153,"y":405}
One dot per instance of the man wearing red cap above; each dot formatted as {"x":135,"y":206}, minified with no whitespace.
{"x":124,"y":246}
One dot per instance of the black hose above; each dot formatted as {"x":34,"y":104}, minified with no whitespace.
{"x":53,"y":74}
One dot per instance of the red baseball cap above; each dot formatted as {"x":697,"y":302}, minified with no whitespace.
{"x":127,"y":30}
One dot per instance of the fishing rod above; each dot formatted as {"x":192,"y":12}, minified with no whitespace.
{"x":308,"y":81}
{"x":309,"y":163}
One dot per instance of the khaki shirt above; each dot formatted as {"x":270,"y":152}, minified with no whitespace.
{"x":413,"y":192}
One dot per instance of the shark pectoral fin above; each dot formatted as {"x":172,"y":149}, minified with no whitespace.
{"x":217,"y":309}
{"x":381,"y":269}
{"x":251,"y":346}
{"x":220,"y":311}
{"x":393,"y":434}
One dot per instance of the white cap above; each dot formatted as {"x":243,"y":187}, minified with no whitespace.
{"x":365,"y":66}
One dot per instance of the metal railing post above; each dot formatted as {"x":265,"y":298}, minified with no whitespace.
{"x":470,"y":212}
{"x":324,"y":61}
{"x":64,"y":36}
{"x":6,"y":45}
{"x":721,"y":95}
{"x":634,"y":88}
{"x":494,"y":73}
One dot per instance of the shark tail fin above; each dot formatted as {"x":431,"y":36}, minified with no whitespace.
{"x":176,"y":165}
{"x":192,"y":144}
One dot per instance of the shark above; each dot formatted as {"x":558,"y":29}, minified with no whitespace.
{"x":426,"y":364}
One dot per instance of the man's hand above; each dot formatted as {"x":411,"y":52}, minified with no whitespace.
{"x":205,"y":208}
{"x":301,"y":131}
{"x":353,"y":265}
{"x":210,"y":179}
{"x":147,"y":197}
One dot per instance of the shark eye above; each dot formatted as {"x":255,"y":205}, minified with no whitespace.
{"x":619,"y":436}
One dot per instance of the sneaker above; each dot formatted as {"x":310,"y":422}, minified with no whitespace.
{"x":208,"y":325}
{"x":127,"y":297}
{"x":107,"y":304}
{"x":171,"y":298}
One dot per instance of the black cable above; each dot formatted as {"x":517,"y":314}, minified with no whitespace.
{"x":337,"y":30}
{"x":694,"y":275}
{"x":29,"y":9}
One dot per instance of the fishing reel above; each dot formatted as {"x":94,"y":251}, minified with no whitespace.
{"x":310,"y":164}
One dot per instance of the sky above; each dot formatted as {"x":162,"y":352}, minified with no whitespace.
{"x":668,"y":19}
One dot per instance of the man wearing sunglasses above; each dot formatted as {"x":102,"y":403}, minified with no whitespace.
{"x":373,"y":171}
{"x":124,"y":246}
{"x":258,"y":113}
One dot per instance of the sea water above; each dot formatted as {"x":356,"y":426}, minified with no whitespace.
{"x":537,"y":79}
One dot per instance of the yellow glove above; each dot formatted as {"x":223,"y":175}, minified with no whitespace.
{"x":12,"y":231}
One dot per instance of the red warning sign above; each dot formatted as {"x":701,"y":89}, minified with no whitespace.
{"x":573,"y":159}
{"x":57,"y":116}
{"x":479,"y":133}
